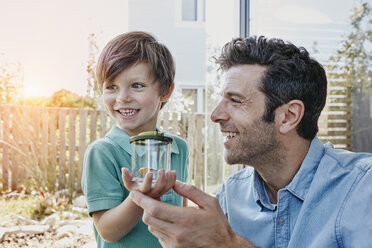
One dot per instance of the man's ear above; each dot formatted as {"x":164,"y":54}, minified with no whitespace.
{"x":167,"y":94}
{"x":289,"y":115}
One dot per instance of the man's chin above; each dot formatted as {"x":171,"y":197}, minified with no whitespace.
{"x":230,"y":160}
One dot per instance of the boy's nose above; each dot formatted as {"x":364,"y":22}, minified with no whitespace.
{"x":123,"y":96}
{"x":219,"y":114}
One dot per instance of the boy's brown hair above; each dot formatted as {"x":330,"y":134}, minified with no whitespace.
{"x":134,"y":47}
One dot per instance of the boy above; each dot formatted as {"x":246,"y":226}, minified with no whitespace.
{"x":136,"y":76}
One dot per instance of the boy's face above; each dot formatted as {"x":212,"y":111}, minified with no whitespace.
{"x":133,"y":99}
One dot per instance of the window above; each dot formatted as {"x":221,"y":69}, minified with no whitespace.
{"x":189,"y":10}
{"x":192,"y":11}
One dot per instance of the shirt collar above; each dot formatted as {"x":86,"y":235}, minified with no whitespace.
{"x":122,"y":139}
{"x":301,"y":182}
{"x":260,"y":194}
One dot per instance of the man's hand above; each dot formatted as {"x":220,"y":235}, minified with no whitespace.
{"x":163,"y":184}
{"x":177,"y":227}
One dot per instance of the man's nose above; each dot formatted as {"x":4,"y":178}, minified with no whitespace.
{"x":219,"y":114}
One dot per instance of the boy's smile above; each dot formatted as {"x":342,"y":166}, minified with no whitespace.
{"x":128,"y":113}
{"x":133,"y":99}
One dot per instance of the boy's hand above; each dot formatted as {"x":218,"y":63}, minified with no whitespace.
{"x":163,"y":184}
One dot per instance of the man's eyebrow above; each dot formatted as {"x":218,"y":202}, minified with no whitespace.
{"x":233,"y":93}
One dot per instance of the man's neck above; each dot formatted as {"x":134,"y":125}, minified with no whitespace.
{"x":279,"y":171}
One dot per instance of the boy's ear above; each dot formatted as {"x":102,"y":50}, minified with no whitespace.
{"x":167,"y":94}
{"x":289,"y":115}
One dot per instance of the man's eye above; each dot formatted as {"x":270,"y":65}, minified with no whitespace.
{"x":234,"y":100}
{"x":138,"y":85}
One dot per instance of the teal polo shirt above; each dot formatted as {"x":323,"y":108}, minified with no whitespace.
{"x":104,"y":189}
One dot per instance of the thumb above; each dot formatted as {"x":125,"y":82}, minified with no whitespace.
{"x":192,"y":193}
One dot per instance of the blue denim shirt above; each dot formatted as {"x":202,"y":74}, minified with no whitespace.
{"x":327,"y":204}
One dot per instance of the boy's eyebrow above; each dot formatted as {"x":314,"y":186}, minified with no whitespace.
{"x":108,"y":83}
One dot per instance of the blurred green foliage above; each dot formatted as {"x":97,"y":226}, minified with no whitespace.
{"x":60,"y":99}
{"x":10,"y":78}
{"x":353,"y":61}
{"x":68,"y":99}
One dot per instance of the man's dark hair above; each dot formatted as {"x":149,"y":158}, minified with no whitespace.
{"x":290,"y":74}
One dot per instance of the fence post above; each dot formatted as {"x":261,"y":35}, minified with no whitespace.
{"x":82,"y":145}
{"x":62,"y":148}
{"x":165,"y":122}
{"x":72,"y":149}
{"x":15,"y":143}
{"x":6,"y":151}
{"x":53,"y":147}
{"x":103,"y":119}
{"x":191,"y":144}
{"x":199,"y":163}
{"x":93,"y":125}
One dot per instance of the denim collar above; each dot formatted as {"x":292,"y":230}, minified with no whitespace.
{"x":301,"y":182}
{"x":260,"y":193}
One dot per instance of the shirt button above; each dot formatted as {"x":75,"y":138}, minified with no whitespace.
{"x":281,"y":222}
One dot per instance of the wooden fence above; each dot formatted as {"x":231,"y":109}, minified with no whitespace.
{"x":46,"y":145}
{"x":335,"y":120}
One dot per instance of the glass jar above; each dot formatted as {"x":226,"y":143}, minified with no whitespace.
{"x":150,"y":152}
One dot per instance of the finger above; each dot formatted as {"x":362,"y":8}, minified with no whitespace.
{"x":147,"y":183}
{"x":159,"y":184}
{"x":170,"y":181}
{"x":156,"y":223}
{"x":164,"y":240}
{"x":127,"y":178}
{"x":194,"y":194}
{"x":166,"y":232}
{"x":156,"y":208}
{"x":161,"y":229}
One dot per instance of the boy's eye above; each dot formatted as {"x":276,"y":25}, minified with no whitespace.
{"x":138,"y":85}
{"x":111,"y":87}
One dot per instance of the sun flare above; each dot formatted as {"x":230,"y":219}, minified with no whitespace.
{"x":31,"y":90}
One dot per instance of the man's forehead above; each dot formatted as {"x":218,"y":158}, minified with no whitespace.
{"x":228,"y":91}
{"x":242,"y":80}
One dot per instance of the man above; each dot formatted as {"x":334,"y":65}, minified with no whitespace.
{"x":298,"y":192}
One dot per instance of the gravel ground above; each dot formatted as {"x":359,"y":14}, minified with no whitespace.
{"x":64,"y":233}
{"x":47,"y":240}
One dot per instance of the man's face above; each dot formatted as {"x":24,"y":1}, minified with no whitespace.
{"x":247,"y":137}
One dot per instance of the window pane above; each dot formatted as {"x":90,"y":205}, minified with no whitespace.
{"x":189,"y":10}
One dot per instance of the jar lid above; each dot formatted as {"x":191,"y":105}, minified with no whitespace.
{"x":155,"y":135}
